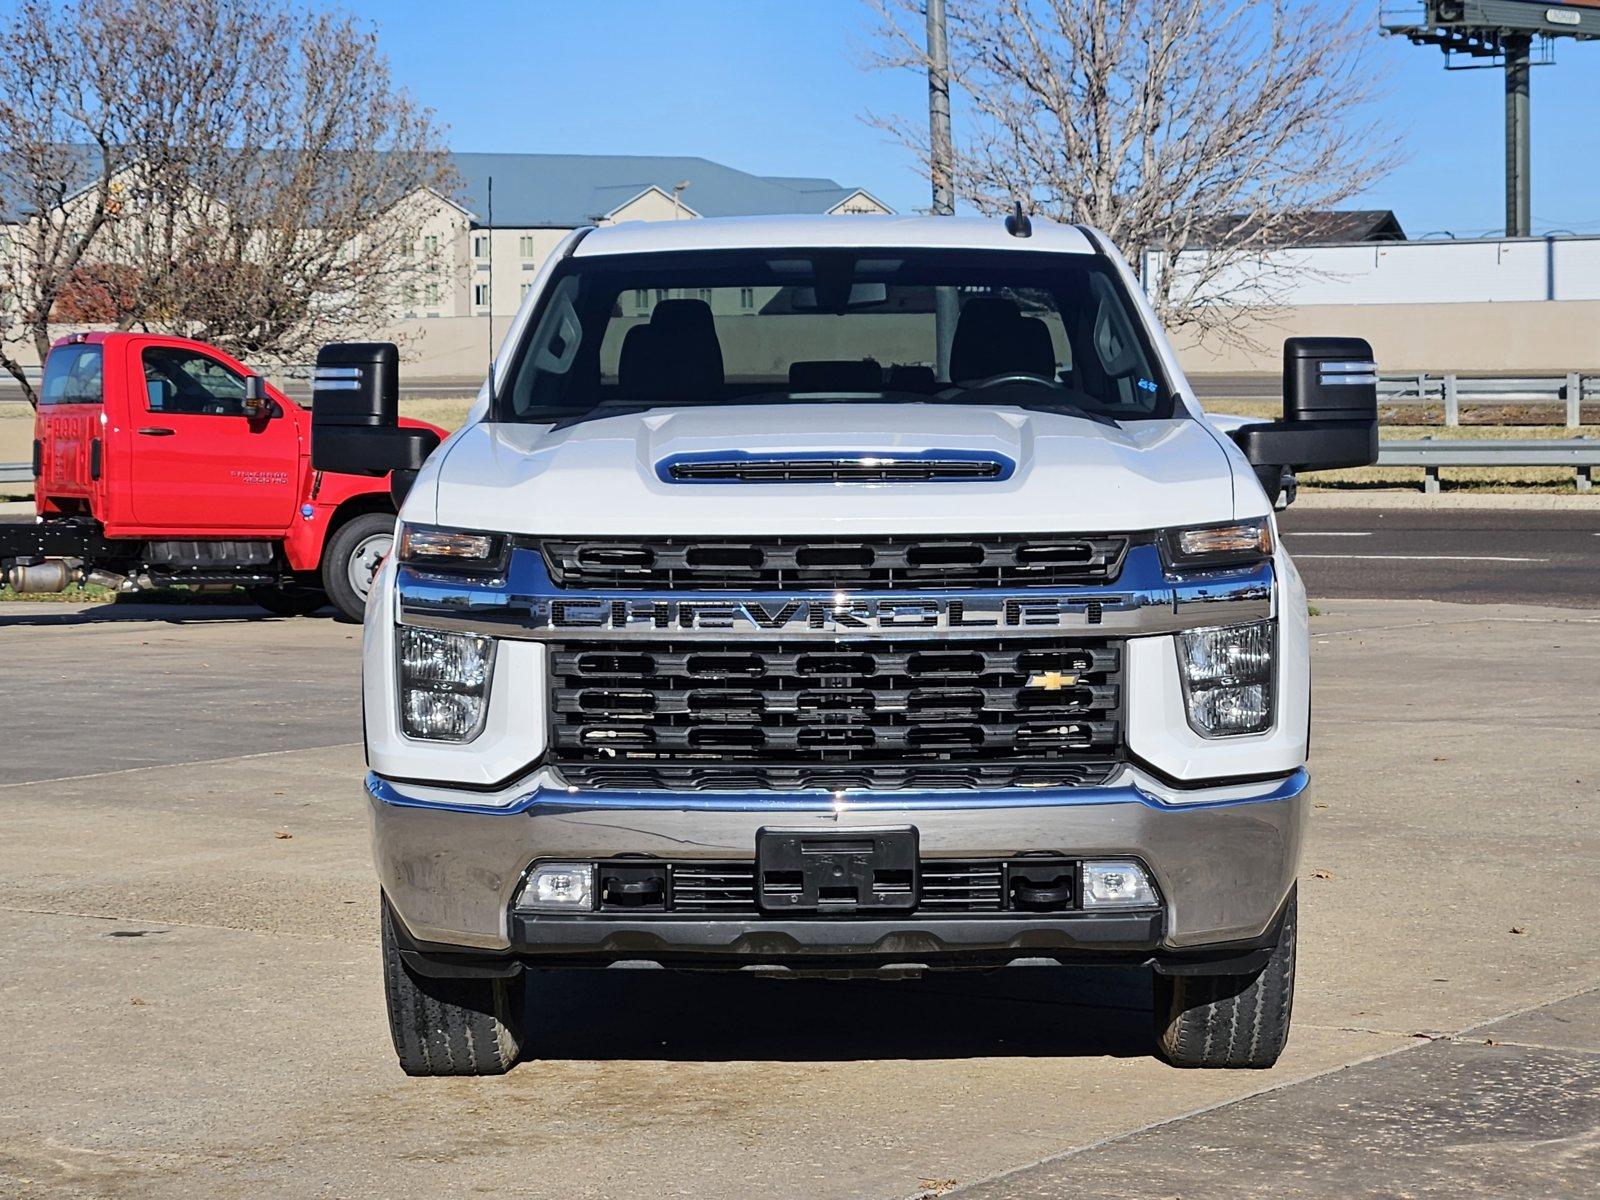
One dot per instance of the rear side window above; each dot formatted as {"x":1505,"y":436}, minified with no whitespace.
{"x":185,"y":381}
{"x":73,"y":375}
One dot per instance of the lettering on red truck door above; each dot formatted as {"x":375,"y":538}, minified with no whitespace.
{"x":199,"y":461}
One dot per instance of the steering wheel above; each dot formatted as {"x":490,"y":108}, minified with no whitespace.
{"x":1005,"y":377}
{"x":1000,"y":380}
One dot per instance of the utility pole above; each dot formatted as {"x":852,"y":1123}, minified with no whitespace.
{"x":1519,"y":154}
{"x":944,"y":200}
{"x":941,"y":171}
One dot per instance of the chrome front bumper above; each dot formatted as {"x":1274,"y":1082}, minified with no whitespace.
{"x":1224,"y":860}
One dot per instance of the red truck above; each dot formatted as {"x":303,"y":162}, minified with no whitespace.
{"x":160,"y":460}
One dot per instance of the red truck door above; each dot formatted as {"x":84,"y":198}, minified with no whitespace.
{"x":198,"y":462}
{"x":68,"y":425}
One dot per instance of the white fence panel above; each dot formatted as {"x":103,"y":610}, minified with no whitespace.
{"x":1432,"y":272}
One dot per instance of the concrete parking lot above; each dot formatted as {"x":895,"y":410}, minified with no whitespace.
{"x":189,"y":975}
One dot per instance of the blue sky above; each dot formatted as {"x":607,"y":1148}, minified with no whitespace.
{"x":778,"y":87}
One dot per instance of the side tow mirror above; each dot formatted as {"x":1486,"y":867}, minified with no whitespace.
{"x":257,"y":403}
{"x":1330,"y":412}
{"x":355,"y":416}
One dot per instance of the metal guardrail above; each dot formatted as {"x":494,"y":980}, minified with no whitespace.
{"x":16,"y":472}
{"x":1581,"y":454}
{"x":1451,"y":390}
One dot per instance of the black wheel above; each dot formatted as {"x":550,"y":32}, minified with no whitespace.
{"x":449,"y":1026}
{"x":1229,"y":1020}
{"x":352,"y":558}
{"x":291,"y":601}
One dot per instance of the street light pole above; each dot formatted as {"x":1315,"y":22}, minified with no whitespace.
{"x":941,"y":171}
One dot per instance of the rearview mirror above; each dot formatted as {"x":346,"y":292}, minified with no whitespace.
{"x":1330,"y":412}
{"x":256,"y":401}
{"x":862,"y":295}
{"x":355,"y":415}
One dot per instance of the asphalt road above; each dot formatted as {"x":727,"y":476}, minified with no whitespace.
{"x":191,"y":982}
{"x":1477,"y":556}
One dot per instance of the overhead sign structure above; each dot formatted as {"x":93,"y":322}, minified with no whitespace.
{"x":1514,"y":35}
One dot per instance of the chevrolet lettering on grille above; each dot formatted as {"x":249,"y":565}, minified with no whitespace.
{"x":843,"y":616}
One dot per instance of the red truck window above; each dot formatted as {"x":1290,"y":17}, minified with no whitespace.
{"x":73,"y":375}
{"x":186,"y":381}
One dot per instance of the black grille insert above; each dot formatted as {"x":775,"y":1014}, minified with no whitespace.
{"x":874,"y":563}
{"x":943,"y":886}
{"x":868,"y":714}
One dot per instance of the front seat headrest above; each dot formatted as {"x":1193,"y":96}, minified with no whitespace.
{"x":687,"y":340}
{"x":993,"y":338}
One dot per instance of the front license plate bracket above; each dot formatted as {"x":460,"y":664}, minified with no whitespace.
{"x":837,"y":871}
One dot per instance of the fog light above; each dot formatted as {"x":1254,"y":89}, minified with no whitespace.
{"x":558,"y":887}
{"x":1117,"y":885}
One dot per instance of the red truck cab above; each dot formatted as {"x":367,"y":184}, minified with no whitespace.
{"x":160,"y":460}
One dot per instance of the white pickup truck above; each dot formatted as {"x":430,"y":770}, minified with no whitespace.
{"x":858,"y":595}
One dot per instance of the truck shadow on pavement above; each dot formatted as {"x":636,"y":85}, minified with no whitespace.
{"x":38,"y":614}
{"x":1027,"y":1012}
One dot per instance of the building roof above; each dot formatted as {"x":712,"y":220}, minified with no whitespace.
{"x":821,"y":232}
{"x":563,"y":191}
{"x":1323,"y":227}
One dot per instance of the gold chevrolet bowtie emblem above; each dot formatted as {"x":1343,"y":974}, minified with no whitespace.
{"x":1051,"y":681}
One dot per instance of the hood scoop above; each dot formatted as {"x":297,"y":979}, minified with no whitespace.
{"x":924,"y":466}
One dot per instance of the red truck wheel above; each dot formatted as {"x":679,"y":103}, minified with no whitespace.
{"x":354,"y":554}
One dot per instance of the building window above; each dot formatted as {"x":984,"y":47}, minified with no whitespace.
{"x":480,"y":294}
{"x":430,"y":294}
{"x":705,"y":294}
{"x":408,"y":295}
{"x":747,"y":297}
{"x":525,"y":245}
{"x":526,"y":288}
{"x":480,"y":246}
{"x":430,"y":244}
{"x":661,"y":294}
{"x":641,"y":298}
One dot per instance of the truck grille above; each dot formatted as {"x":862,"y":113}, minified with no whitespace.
{"x":859,"y":564}
{"x":862,"y":714}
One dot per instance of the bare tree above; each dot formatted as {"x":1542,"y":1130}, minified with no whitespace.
{"x":1196,"y":135}
{"x":61,"y":158}
{"x":258,"y":181}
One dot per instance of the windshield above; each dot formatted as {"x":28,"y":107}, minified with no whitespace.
{"x":1052,"y":331}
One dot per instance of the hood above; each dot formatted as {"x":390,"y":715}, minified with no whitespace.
{"x":607,"y":476}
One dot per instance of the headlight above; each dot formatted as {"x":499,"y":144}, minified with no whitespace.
{"x":1227,"y":678}
{"x":444,"y":683}
{"x":1233,"y":544}
{"x":422,"y":546}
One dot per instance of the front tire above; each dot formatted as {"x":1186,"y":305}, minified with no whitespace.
{"x":1229,"y":1020}
{"x":351,"y":561}
{"x":449,"y":1026}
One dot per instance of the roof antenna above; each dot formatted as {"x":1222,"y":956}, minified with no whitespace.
{"x":1017,"y":224}
{"x":493,"y":414}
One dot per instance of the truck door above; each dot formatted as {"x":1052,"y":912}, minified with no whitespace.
{"x":199,"y":463}
{"x":68,"y":426}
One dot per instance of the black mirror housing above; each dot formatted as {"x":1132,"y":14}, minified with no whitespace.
{"x":1330,"y":412}
{"x":355,"y":412}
